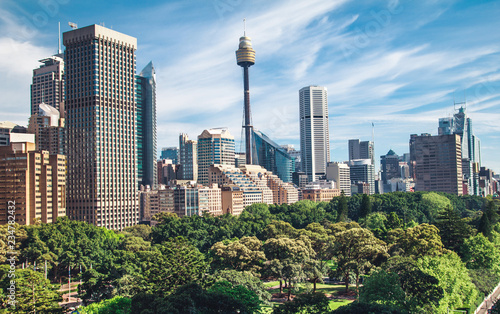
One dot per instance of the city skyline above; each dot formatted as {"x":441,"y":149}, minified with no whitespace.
{"x":398,"y":65}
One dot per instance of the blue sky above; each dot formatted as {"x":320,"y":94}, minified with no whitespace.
{"x":399,"y":65}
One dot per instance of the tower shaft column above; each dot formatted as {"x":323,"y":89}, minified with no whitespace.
{"x":248,"y":127}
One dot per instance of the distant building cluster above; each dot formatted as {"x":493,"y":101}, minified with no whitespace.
{"x":89,"y":151}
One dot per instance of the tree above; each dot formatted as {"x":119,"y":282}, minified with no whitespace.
{"x":452,"y":228}
{"x":453,"y":279}
{"x":356,"y":250}
{"x":368,"y":308}
{"x":169,"y":265}
{"x":115,"y":305}
{"x":306,"y":303}
{"x":248,"y":299}
{"x":382,"y":287}
{"x":243,"y":255}
{"x":421,"y":240}
{"x":33,"y":292}
{"x":479,"y":253}
{"x":489,"y":218}
{"x":422,"y":291}
{"x":342,"y":209}
{"x":287,"y":258}
{"x":366,"y":206}
{"x":245,"y":279}
{"x":322,"y":243}
{"x":393,"y":221}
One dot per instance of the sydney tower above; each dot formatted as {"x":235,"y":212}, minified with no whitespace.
{"x":245,"y":57}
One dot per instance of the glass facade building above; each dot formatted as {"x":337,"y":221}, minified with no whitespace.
{"x":145,"y":91}
{"x":273,"y":157}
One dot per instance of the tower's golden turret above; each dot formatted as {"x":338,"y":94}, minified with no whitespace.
{"x":245,"y":55}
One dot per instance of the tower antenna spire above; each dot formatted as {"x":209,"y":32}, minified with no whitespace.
{"x":244,"y":27}
{"x":59,"y":39}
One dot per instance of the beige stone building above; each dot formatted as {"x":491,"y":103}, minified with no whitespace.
{"x":35,"y":181}
{"x":101,"y":127}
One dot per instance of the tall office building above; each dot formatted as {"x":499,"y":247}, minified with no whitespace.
{"x":314,"y":131}
{"x":461,"y":125}
{"x":341,"y":175}
{"x":49,"y":130}
{"x":389,"y":164}
{"x":101,"y":127}
{"x":438,"y":163}
{"x":362,"y":171}
{"x":272,"y":157}
{"x":35,"y":181}
{"x":48,"y":85}
{"x":146,"y":126}
{"x":215,"y":146}
{"x":171,"y":153}
{"x":188,"y":158}
{"x":361,"y":150}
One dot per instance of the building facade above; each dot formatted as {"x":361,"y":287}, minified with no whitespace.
{"x":461,"y":125}
{"x":362,"y":171}
{"x":34,"y":182}
{"x":438,"y":163}
{"x":48,"y":85}
{"x":314,"y":131}
{"x":215,"y":146}
{"x":188,"y":158}
{"x":171,"y":153}
{"x":145,"y":91}
{"x":273,"y":157}
{"x":49,"y":130}
{"x":101,"y":127}
{"x":340,"y":174}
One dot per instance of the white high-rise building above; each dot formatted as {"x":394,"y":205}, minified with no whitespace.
{"x":101,"y":127}
{"x":314,"y":131}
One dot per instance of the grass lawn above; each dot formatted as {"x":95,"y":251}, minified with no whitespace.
{"x":271,"y":283}
{"x":335,"y":304}
{"x":320,"y":287}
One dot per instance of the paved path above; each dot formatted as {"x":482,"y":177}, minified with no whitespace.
{"x":488,"y":303}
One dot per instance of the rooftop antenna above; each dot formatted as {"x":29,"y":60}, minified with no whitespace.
{"x":245,"y":27}
{"x":59,"y":38}
{"x":73,"y":25}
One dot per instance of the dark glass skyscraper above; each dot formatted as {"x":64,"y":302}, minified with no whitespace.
{"x":273,"y":157}
{"x":146,"y":126}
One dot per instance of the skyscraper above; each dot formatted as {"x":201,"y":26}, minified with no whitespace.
{"x":101,"y":127}
{"x":361,"y":150}
{"x":273,"y":157}
{"x":34,"y":182}
{"x":215,"y":146}
{"x":314,"y":131}
{"x":48,"y":85}
{"x":188,"y":158}
{"x":49,"y":130}
{"x":245,"y":57}
{"x":146,"y":126}
{"x":171,"y":153}
{"x":438,"y":163}
{"x":362,"y":171}
{"x":461,"y":125}
{"x":389,"y":165}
